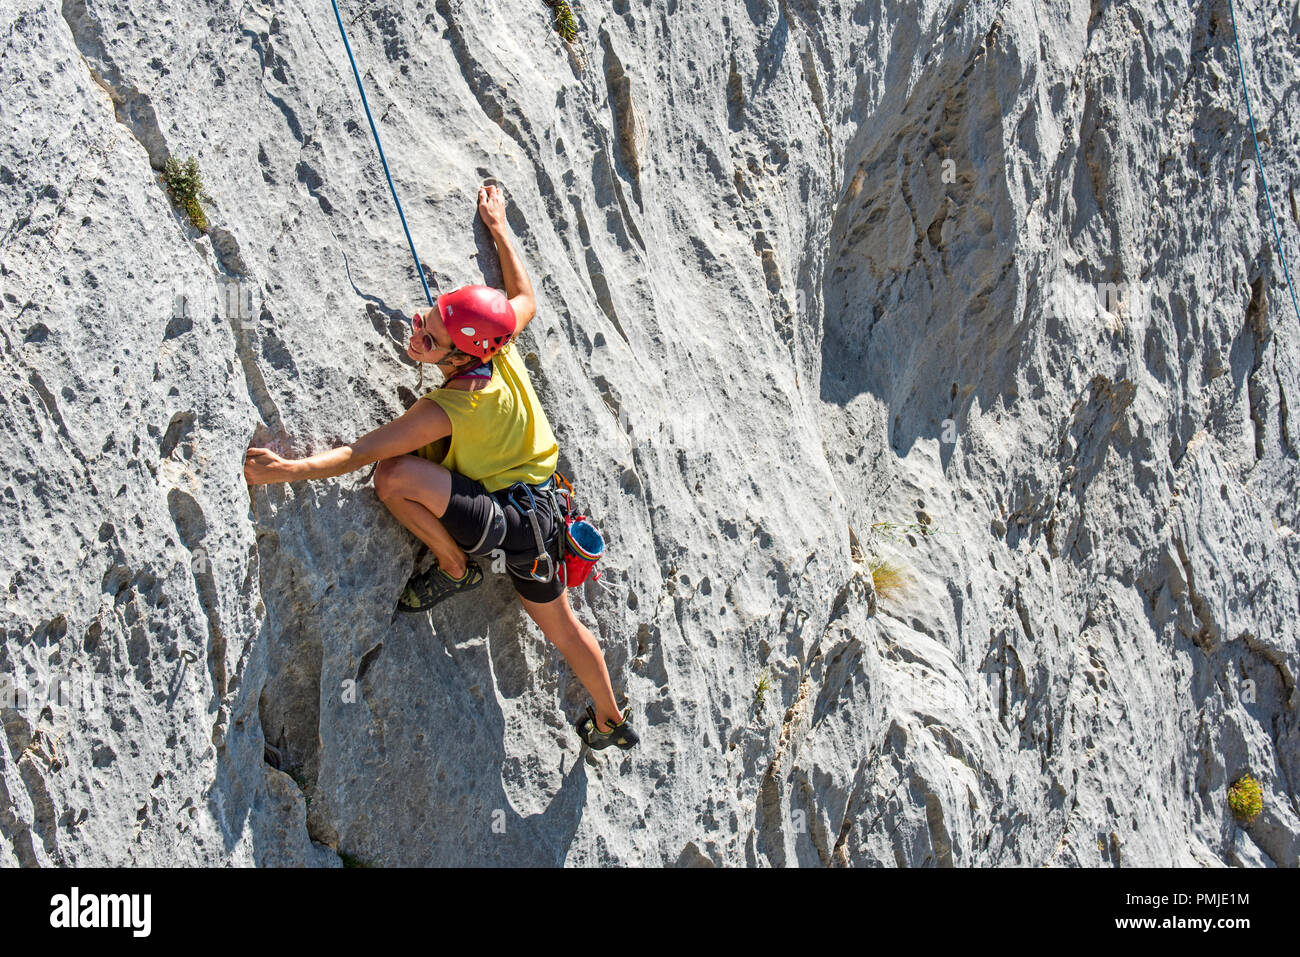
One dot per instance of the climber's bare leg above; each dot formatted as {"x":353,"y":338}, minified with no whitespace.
{"x":578,"y":645}
{"x":417,"y":491}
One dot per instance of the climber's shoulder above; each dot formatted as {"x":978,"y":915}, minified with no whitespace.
{"x":525,"y":308}
{"x":427,"y":420}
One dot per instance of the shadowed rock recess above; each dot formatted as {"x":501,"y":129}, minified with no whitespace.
{"x":985,"y":290}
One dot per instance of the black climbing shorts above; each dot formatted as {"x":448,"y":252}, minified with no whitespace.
{"x":481,"y":521}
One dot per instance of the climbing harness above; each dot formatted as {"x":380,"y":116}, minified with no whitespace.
{"x":419,"y":270}
{"x":523,"y":498}
{"x":1259,"y":160}
{"x":581,"y":545}
{"x":571,"y":549}
{"x":516,"y":496}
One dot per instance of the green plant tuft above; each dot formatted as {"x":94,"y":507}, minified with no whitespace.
{"x":186,"y":187}
{"x":1246,"y":798}
{"x":351,"y":861}
{"x":764,"y":686}
{"x":565,"y":24}
{"x":899,"y":530}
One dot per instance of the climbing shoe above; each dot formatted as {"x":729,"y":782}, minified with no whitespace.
{"x":619,"y":735}
{"x":430,"y":587}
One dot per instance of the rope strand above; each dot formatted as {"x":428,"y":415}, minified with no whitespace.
{"x":419,"y":270}
{"x":1259,"y":161}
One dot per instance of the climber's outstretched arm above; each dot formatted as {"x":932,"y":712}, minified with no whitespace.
{"x":492,"y":208}
{"x":423,"y":423}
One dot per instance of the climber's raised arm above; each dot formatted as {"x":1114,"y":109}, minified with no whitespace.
{"x":492,"y":208}
{"x":423,"y":423}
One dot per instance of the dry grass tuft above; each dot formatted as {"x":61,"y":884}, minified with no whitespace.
{"x":890,"y":580}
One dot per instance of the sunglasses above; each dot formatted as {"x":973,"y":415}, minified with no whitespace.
{"x":417,"y":321}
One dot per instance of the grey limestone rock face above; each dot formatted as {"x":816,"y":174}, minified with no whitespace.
{"x":983,"y":290}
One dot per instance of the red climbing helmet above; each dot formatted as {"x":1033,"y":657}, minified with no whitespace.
{"x":479,"y":319}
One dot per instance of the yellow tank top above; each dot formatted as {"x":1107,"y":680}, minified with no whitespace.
{"x":499,"y":433}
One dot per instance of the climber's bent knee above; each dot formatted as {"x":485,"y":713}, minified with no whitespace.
{"x":411,"y":477}
{"x":385,"y":480}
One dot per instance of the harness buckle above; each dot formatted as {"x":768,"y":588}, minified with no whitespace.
{"x":530,"y":511}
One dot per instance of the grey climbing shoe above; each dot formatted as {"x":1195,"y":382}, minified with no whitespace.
{"x":430,"y":587}
{"x":620,"y":735}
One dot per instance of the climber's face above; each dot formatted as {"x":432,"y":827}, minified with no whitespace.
{"x":429,"y":339}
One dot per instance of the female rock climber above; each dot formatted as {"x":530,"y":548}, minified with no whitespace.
{"x":470,"y":466}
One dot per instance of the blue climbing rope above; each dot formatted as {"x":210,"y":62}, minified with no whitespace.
{"x":1259,"y":160}
{"x":398,"y":203}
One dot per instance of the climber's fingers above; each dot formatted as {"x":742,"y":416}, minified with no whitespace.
{"x":491,"y":204}
{"x":259,"y":465}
